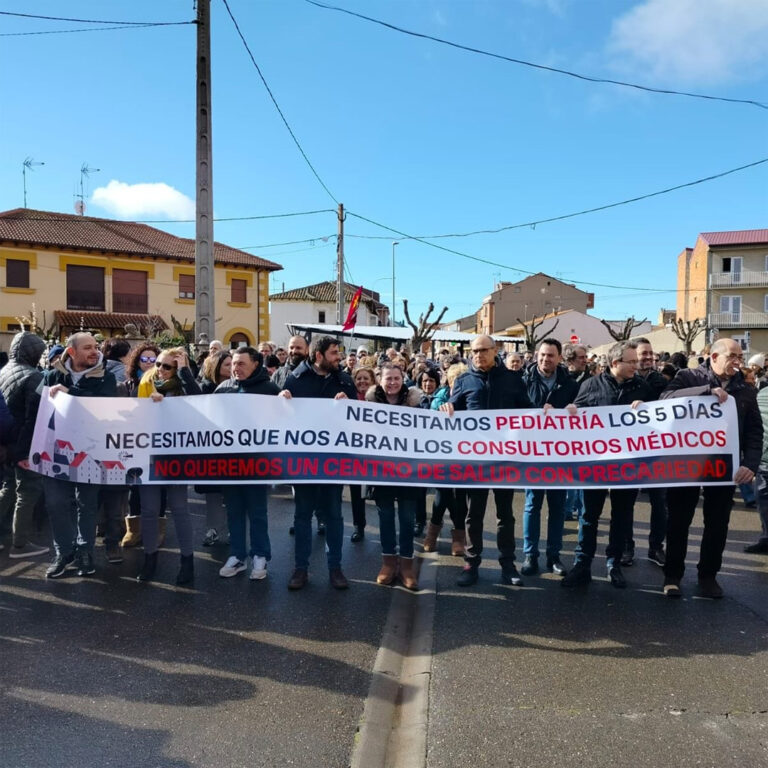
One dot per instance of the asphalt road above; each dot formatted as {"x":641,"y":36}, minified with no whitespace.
{"x":240,"y":673}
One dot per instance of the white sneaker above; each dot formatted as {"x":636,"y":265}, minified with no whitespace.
{"x":232,"y":567}
{"x":259,"y":568}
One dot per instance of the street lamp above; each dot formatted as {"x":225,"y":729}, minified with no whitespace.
{"x":394,"y":243}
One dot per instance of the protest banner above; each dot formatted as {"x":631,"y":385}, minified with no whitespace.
{"x":260,"y":439}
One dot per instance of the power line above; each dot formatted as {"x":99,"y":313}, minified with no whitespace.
{"x":495,"y":263}
{"x":578,"y":213}
{"x":324,"y":238}
{"x":88,"y":219}
{"x":522,"y":62}
{"x":93,"y":21}
{"x":277,"y":106}
{"x":92,"y":29}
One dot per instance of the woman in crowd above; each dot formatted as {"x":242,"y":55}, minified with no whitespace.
{"x":435,"y":394}
{"x":141,"y":360}
{"x":116,"y":352}
{"x":392,"y":390}
{"x":171,"y":377}
{"x":452,"y":499}
{"x":364,"y":379}
{"x":217,"y":368}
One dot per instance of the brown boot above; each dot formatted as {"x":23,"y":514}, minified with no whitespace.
{"x":388,"y":572}
{"x":408,"y":573}
{"x":430,"y":540}
{"x":132,"y":536}
{"x":162,"y":522}
{"x":457,"y":542}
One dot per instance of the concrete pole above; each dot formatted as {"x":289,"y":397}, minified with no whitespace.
{"x":204,"y":273}
{"x":340,"y":268}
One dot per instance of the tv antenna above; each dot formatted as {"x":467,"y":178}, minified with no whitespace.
{"x":85,"y":172}
{"x":30,"y":163}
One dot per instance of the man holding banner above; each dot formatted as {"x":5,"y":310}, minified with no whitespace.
{"x":719,"y":376}
{"x":319,"y":376}
{"x":488,"y":384}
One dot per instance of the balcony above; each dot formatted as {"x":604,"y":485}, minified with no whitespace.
{"x":738,"y":320}
{"x":84,"y":300}
{"x":738,"y":279}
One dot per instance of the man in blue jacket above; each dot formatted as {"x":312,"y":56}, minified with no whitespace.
{"x":488,"y":385}
{"x":319,"y":376}
{"x":548,"y":384}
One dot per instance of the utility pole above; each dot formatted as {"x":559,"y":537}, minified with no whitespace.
{"x":340,"y":267}
{"x":204,"y":272}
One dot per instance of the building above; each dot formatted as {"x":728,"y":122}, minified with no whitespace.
{"x":101,"y":274}
{"x":724,"y":280}
{"x":577,"y":327}
{"x":316,"y":304}
{"x":536,"y":295}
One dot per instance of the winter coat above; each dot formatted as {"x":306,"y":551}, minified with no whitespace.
{"x":117,"y":369}
{"x":411,"y":397}
{"x":188,"y":383}
{"x":440,"y":397}
{"x":604,"y":389}
{"x":694,"y":382}
{"x":19,"y":380}
{"x":6,"y":425}
{"x":306,"y":382}
{"x":498,"y":388}
{"x":96,"y":382}
{"x":561,"y":394}
{"x":258,"y":383}
{"x":280,"y":376}
{"x":762,"y":404}
{"x":655,"y":381}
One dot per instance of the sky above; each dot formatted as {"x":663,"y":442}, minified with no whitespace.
{"x":421,"y":137}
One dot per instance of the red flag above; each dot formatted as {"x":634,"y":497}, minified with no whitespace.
{"x":351,"y":320}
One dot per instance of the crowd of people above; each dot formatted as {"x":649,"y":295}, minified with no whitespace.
{"x":487,"y":378}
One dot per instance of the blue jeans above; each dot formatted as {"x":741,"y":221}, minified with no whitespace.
{"x":534,"y":498}
{"x":247,"y":502}
{"x":326,"y":498}
{"x":406,"y":499}
{"x":622,"y":501}
{"x":72,"y":512}
{"x":574,"y":503}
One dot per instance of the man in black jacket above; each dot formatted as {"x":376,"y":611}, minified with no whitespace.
{"x":319,"y":376}
{"x":19,"y":380}
{"x":247,"y":501}
{"x":488,"y":385}
{"x":548,"y":383}
{"x":719,"y":376}
{"x":618,"y":386}
{"x":81,"y":372}
{"x":298,"y":352}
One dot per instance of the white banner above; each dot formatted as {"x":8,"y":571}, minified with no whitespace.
{"x":218,"y":439}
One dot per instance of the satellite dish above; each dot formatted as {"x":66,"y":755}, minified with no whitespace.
{"x":79,"y":207}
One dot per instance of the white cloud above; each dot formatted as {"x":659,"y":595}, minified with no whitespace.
{"x":135,"y":201}
{"x":692,"y":41}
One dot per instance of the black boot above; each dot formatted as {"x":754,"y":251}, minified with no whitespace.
{"x":147,"y":572}
{"x":187,"y":571}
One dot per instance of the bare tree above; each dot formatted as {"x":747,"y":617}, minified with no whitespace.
{"x":531,"y":331}
{"x":424,"y":330}
{"x":687,"y":331}
{"x":625,"y":331}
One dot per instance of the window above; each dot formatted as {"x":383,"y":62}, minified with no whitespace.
{"x":129,"y":291}
{"x":731,"y":305}
{"x":321,"y":316}
{"x":186,"y":286}
{"x":238,"y":291}
{"x":85,"y":288}
{"x":765,"y":303}
{"x":733,"y":266}
{"x":239,"y":340}
{"x":16,"y":273}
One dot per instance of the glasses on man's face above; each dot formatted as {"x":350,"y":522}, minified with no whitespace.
{"x":147,"y":359}
{"x":735,"y":356}
{"x":629,"y":362}
{"x":478,"y":350}
{"x":166,"y":366}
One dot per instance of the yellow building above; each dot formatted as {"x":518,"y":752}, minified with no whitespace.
{"x":101,"y":274}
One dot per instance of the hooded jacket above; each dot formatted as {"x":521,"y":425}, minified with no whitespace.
{"x":306,"y":382}
{"x":411,"y":397}
{"x":257,"y":383}
{"x":561,"y":394}
{"x":495,"y":389}
{"x":694,"y":382}
{"x":95,"y":382}
{"x":19,"y":380}
{"x":280,"y":376}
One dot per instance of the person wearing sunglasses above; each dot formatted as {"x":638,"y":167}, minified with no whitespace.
{"x":142,"y":359}
{"x":171,"y":377}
